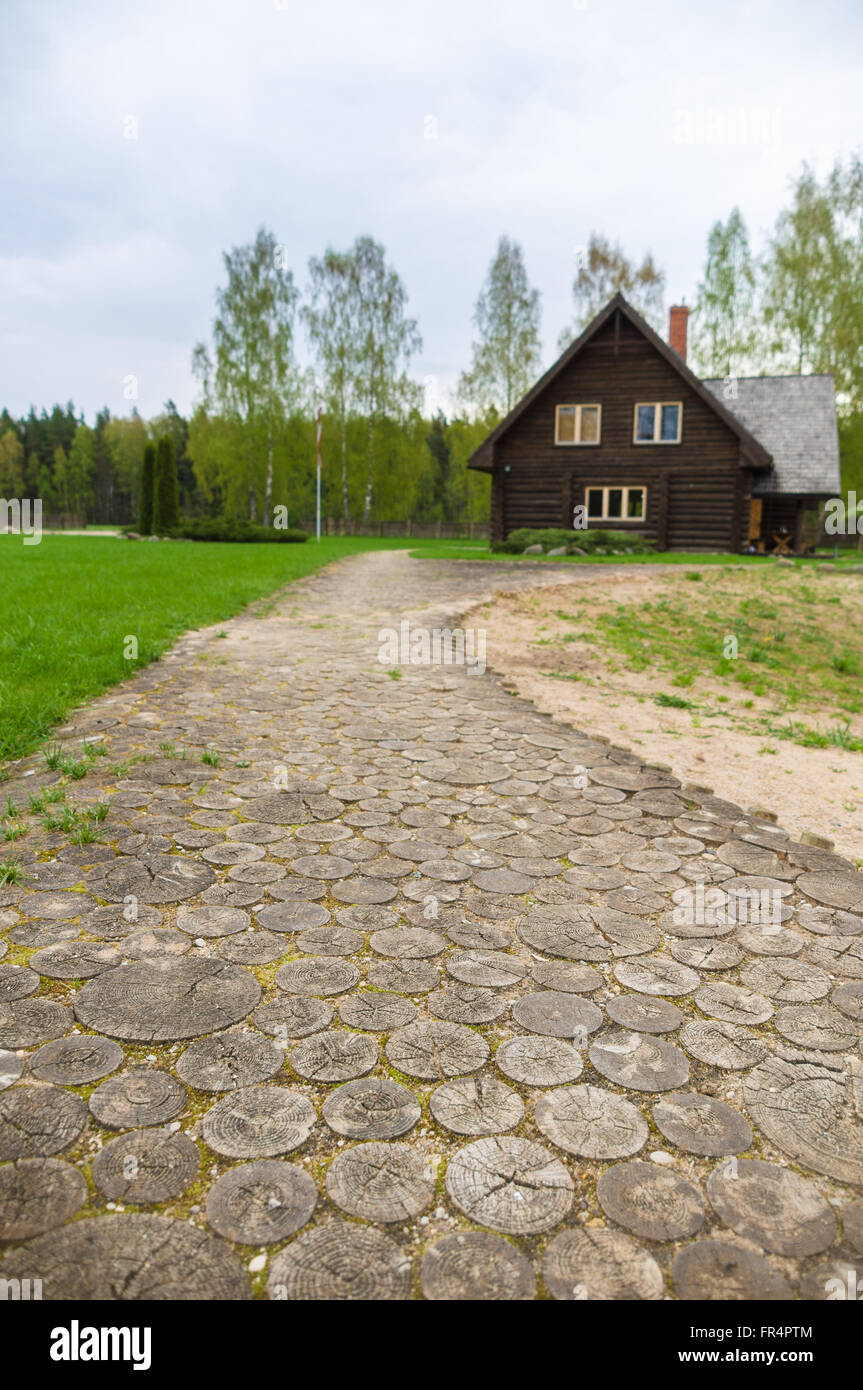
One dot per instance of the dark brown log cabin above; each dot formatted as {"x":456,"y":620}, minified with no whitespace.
{"x":621,"y":427}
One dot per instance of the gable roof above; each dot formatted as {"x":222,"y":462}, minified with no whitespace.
{"x":795,"y":418}
{"x":756,"y":454}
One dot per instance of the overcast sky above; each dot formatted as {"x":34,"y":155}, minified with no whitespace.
{"x":140,"y":139}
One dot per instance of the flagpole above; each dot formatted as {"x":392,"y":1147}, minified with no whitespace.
{"x":318,"y":432}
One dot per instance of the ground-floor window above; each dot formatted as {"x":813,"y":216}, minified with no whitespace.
{"x":616,"y":503}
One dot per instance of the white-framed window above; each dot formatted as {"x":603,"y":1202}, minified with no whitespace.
{"x":616,"y":503}
{"x":577,"y":424}
{"x":657,"y":422}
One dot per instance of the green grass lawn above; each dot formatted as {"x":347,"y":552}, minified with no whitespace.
{"x":70,"y":603}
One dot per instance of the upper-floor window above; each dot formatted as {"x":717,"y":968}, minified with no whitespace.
{"x":577,"y":424}
{"x":658,"y":422}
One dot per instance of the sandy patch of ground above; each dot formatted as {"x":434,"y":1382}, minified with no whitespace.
{"x":819,"y":790}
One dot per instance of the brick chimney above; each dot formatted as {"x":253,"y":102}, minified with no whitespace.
{"x":677,"y":316}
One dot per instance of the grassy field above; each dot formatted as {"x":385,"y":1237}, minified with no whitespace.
{"x":71,"y":602}
{"x":784,"y":648}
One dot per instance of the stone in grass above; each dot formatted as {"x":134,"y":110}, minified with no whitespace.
{"x":131,"y":1257}
{"x":261,"y":1203}
{"x":476,"y":1266}
{"x":340,"y":1262}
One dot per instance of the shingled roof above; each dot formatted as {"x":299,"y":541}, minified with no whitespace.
{"x":794,"y":417}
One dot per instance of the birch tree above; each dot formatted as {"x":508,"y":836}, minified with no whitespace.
{"x":252,"y":379}
{"x":723,"y":319}
{"x":506,"y":351}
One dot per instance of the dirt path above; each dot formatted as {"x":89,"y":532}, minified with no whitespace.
{"x":404,"y":968}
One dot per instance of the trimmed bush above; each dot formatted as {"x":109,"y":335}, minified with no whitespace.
{"x":145,"y":501}
{"x":166,"y":509}
{"x":218,"y":528}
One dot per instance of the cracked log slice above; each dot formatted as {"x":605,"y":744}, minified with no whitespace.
{"x":557,"y":1015}
{"x":371,"y":1108}
{"x":852,"y":1225}
{"x":293,"y":1016}
{"x":466,"y":1004}
{"x":162,"y":878}
{"x":733,"y":1003}
{"x":568,"y":933}
{"x":258,"y":1122}
{"x":36,"y":1121}
{"x":11,"y":1067}
{"x":476,"y":1266}
{"x":704,"y":953}
{"x":158,"y":1000}
{"x":600,"y":1264}
{"x":212,"y":921}
{"x":229,"y":1060}
{"x":17,"y":981}
{"x":376,"y":1011}
{"x":436,"y":1050}
{"x":539,"y":1061}
{"x":146,"y":1166}
{"x":37,"y":1194}
{"x":260,"y":1203}
{"x":560,"y":975}
{"x":292,"y":916}
{"x":381,"y":1182}
{"x":818,"y":1026}
{"x":724,"y":1045}
{"x":162,"y":941}
{"x":848,"y":998}
{"x":251,"y":948}
{"x":407,"y":943}
{"x":75,"y":960}
{"x":28,"y":1022}
{"x":834,"y":888}
{"x":772,"y":1206}
{"x":476,"y":1105}
{"x":76,"y":1060}
{"x":788,"y":981}
{"x":138,"y":1097}
{"x":640,"y":1062}
{"x":701,"y":1124}
{"x":334,"y":1056}
{"x":659,"y":975}
{"x":132,"y":1258}
{"x":340,"y":1262}
{"x":591,"y":1122}
{"x":363,"y":891}
{"x":718,"y":1270}
{"x":509,"y":1184}
{"x":318,"y":975}
{"x":642,"y":1014}
{"x":808,"y":1110}
{"x":652,"y":1202}
{"x":404,"y":976}
{"x":494,"y":969}
{"x":329,"y":941}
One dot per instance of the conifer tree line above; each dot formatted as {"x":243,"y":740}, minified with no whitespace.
{"x":794,"y":305}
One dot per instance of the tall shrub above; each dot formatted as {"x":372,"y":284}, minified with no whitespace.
{"x":145,"y":502}
{"x":166,"y":513}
